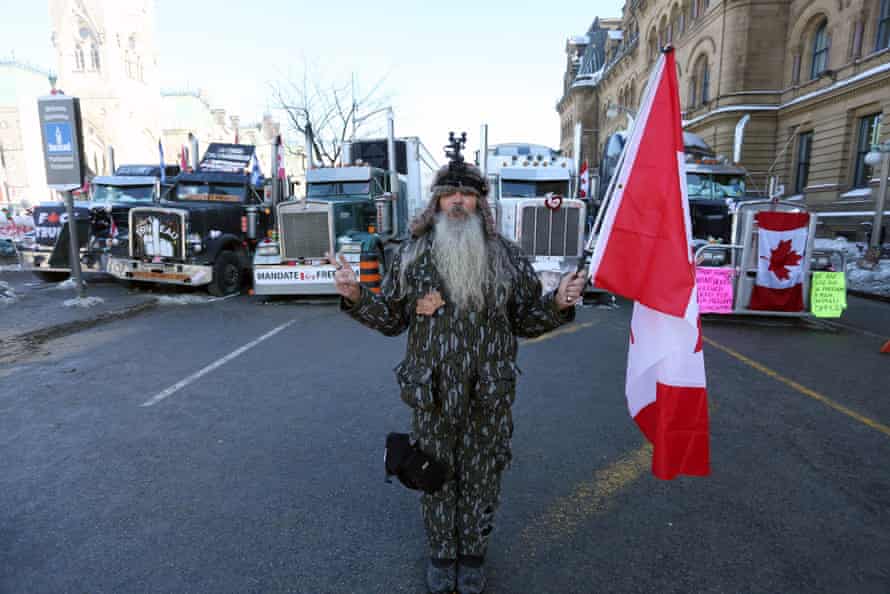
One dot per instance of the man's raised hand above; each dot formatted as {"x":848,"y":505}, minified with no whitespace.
{"x":344,"y":278}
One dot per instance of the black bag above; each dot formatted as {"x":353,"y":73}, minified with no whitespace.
{"x":413,"y":468}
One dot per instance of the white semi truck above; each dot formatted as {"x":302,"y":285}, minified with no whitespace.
{"x":532,"y":189}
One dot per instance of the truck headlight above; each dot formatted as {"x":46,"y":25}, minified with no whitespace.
{"x":267,"y":247}
{"x":195,"y":242}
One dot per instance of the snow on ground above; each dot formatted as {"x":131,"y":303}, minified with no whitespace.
{"x":83,"y":302}
{"x":187,"y":299}
{"x":10,"y":267}
{"x":7,"y":295}
{"x":67,"y":285}
{"x":875,"y":281}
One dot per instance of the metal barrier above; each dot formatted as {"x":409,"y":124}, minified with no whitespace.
{"x":742,"y":255}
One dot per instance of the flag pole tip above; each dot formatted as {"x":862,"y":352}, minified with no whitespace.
{"x":667,"y":49}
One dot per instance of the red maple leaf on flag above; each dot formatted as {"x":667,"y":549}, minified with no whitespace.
{"x":781,"y":257}
{"x":53,"y":218}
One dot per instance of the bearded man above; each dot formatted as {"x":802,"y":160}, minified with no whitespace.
{"x":465,"y":294}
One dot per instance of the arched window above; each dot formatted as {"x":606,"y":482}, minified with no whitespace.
{"x":820,"y":51}
{"x":676,"y":22}
{"x":79,"y":62}
{"x":703,"y":79}
{"x":94,"y":57}
{"x":883,"y":35}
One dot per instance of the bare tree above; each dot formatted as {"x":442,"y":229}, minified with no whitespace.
{"x":334,"y":111}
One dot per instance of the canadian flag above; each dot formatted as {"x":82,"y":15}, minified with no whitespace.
{"x":643,"y":252}
{"x":781,"y":247}
{"x":584,"y":181}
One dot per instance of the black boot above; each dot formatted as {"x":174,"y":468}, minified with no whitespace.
{"x":470,"y":575}
{"x":441,"y":575}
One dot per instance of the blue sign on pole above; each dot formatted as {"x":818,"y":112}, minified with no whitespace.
{"x":58,"y":138}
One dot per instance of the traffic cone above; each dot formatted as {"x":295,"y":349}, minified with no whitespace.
{"x":886,"y":347}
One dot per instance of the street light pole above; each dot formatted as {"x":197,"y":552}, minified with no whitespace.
{"x":879,"y":153}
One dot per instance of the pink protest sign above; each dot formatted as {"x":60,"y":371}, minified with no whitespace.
{"x":714,"y":289}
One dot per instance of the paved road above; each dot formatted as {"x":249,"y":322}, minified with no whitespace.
{"x":237,"y":447}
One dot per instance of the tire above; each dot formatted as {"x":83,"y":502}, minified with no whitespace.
{"x":51,"y":276}
{"x":227,"y":275}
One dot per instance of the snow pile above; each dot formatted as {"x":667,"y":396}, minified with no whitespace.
{"x":7,"y":295}
{"x":10,"y":267}
{"x":67,"y":284}
{"x":185,"y":299}
{"x":853,"y":251}
{"x":83,"y":302}
{"x":875,"y":281}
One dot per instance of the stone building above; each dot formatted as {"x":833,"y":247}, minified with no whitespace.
{"x":813,"y":75}
{"x":22,"y":175}
{"x":105,"y":55}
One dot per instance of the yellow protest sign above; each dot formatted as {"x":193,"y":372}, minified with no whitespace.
{"x":828,"y":295}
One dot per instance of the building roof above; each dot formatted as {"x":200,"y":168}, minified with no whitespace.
{"x":590,"y":63}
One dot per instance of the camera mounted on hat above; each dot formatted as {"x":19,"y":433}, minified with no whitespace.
{"x":458,"y":173}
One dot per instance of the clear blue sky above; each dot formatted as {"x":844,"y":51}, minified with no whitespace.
{"x":448,"y":66}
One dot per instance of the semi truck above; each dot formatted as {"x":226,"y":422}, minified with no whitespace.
{"x":205,"y":231}
{"x":713,"y":185}
{"x":101,"y":219}
{"x":532,"y":189}
{"x":360,"y":208}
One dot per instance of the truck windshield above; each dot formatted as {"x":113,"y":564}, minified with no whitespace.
{"x":209,"y":193}
{"x":714,"y":186}
{"x":531,"y":189}
{"x":320,"y":190}
{"x":123,"y":193}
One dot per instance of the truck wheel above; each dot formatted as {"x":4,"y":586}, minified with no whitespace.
{"x":227,"y":275}
{"x":51,"y":276}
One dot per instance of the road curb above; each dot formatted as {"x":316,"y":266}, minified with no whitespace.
{"x":871,"y":296}
{"x":12,"y":347}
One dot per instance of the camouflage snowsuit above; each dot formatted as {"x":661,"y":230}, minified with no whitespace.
{"x":459,"y":377}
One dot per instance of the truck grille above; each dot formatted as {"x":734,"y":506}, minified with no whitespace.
{"x":545,"y":232}
{"x":304,"y":232}
{"x":157,"y":233}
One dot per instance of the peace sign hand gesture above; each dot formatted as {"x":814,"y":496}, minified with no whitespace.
{"x":344,"y":278}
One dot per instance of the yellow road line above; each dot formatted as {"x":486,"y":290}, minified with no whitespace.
{"x":589,"y":498}
{"x":802,"y":389}
{"x":564,"y":330}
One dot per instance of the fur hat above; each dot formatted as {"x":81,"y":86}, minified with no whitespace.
{"x":456,"y":177}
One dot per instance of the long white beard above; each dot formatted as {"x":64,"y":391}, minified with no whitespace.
{"x":460,"y":255}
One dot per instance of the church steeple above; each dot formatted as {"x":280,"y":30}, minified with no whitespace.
{"x":105,"y":55}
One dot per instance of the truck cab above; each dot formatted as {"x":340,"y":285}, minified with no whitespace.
{"x":102,"y":222}
{"x":714,"y":186}
{"x":204,"y":232}
{"x":339,"y":214}
{"x":532,"y":185}
{"x":351,"y":209}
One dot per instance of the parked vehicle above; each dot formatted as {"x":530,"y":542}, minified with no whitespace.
{"x":531,"y":188}
{"x":713,"y":185}
{"x":102,"y":222}
{"x":204,"y":232}
{"x":361,"y":209}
